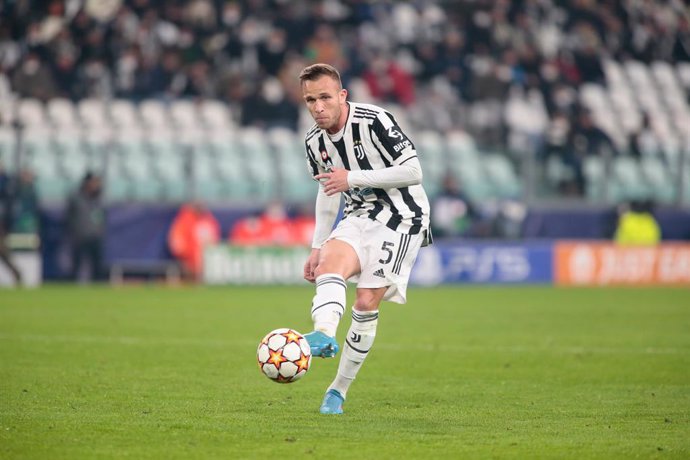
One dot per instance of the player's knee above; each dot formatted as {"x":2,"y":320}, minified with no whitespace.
{"x":367,"y":301}
{"x":335,"y":263}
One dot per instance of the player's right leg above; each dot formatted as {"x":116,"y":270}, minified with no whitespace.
{"x":337,"y":262}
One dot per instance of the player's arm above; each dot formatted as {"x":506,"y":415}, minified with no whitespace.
{"x":403,"y":175}
{"x":339,"y":180}
{"x":326,"y":211}
{"x":397,"y":150}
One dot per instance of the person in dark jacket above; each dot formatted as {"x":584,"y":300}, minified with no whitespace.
{"x":6,"y":214}
{"x":86,"y":229}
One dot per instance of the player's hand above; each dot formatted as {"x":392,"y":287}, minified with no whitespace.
{"x":334,"y":181}
{"x":310,"y":265}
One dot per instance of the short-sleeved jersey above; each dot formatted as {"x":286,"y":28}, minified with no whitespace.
{"x":371,"y":140}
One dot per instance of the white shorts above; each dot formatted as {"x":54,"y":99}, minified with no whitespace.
{"x":385,"y":256}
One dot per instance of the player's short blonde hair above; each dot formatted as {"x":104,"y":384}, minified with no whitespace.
{"x":316,"y":71}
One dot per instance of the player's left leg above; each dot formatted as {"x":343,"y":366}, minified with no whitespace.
{"x":359,"y":340}
{"x":337,"y":262}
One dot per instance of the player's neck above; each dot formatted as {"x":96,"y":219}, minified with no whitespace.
{"x":344,"y":114}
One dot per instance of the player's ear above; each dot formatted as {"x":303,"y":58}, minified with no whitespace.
{"x":343,"y":95}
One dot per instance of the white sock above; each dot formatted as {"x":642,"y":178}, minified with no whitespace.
{"x":359,"y":341}
{"x":328,"y":304}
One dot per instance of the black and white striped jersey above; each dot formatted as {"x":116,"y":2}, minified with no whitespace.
{"x":371,"y":140}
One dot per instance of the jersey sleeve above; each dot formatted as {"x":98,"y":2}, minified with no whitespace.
{"x":388,"y":136}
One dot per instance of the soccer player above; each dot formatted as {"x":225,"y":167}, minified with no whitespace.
{"x":359,"y":151}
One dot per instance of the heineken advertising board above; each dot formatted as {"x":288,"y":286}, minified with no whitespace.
{"x":225,"y":264}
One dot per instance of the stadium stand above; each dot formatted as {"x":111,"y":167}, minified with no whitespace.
{"x":158,"y":95}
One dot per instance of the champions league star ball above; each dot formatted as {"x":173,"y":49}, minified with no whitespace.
{"x":284,"y":355}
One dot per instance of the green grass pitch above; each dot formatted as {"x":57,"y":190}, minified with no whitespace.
{"x":458,"y":372}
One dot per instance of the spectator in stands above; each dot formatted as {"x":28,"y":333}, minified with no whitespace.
{"x":585,"y":139}
{"x":681,"y":44}
{"x":454,"y":212}
{"x":26,"y":207}
{"x":213,"y":49}
{"x":270,"y":107}
{"x":644,"y":140}
{"x":86,"y":227}
{"x":388,"y":81}
{"x":302,"y":227}
{"x":272,"y":227}
{"x":34,"y":79}
{"x":249,"y":231}
{"x":637,"y":225}
{"x":192,"y":229}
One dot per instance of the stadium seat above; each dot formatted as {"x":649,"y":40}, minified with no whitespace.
{"x":432,"y":156}
{"x":293,"y":181}
{"x":8,"y":148}
{"x":593,"y":95}
{"x":460,"y":147}
{"x":658,"y":178}
{"x":169,"y":165}
{"x":207,"y":185}
{"x":73,"y":160}
{"x":8,"y":110}
{"x":501,"y":173}
{"x":31,"y":113}
{"x":613,"y":72}
{"x":628,"y":182}
{"x":184,"y":115}
{"x":229,"y":166}
{"x":215,"y":116}
{"x":116,"y":187}
{"x":154,"y":115}
{"x":40,"y":156}
{"x":92,"y":113}
{"x":259,"y":162}
{"x":63,"y":114}
{"x":124,"y":115}
{"x":596,"y":182}
{"x":683,"y":71}
{"x":131,"y":161}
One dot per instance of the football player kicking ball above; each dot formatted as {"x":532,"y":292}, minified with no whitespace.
{"x":359,"y":151}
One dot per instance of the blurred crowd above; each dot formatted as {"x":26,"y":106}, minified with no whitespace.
{"x":453,"y":65}
{"x":435,"y":58}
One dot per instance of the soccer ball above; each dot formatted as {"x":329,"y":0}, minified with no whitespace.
{"x":284,"y":355}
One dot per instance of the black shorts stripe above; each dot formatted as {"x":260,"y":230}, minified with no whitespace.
{"x":402,"y":252}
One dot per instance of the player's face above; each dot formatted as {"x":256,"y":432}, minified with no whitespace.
{"x":326,"y":103}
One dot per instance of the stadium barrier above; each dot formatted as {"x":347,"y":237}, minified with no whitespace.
{"x":137,"y":232}
{"x":567,"y":263}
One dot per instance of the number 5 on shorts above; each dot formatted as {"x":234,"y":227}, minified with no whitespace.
{"x":386,"y":247}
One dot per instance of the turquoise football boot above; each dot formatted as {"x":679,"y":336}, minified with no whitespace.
{"x":332,"y":403}
{"x":322,"y":345}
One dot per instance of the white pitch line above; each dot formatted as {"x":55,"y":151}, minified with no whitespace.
{"x":417,"y":347}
